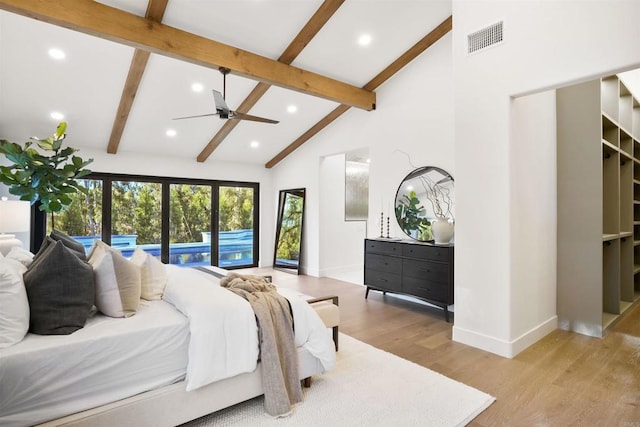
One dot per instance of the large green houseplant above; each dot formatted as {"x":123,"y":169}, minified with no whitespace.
{"x":48,"y":175}
{"x":45,"y":176}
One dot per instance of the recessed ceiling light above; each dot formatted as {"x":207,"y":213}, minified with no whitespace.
{"x":56,"y":53}
{"x":171,"y":132}
{"x":57,"y":116}
{"x":197,"y":87}
{"x":368,"y":160}
{"x":254,"y":144}
{"x":364,"y":40}
{"x":292,"y":109}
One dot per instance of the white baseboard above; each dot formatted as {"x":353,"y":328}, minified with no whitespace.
{"x":309,"y":271}
{"x":328,"y":272}
{"x":501,"y":347}
{"x":349,"y":273}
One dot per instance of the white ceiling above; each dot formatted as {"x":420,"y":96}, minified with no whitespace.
{"x":86,"y":86}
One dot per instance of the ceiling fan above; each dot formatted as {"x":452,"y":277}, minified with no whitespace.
{"x":222,"y":109}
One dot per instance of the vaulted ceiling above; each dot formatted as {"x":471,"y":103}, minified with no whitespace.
{"x":129,"y":68}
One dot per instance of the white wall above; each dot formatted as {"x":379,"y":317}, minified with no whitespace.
{"x":500,"y":305}
{"x":534,"y":217}
{"x":414,"y":114}
{"x":349,"y":234}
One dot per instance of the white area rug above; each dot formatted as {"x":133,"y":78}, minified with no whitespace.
{"x":368,"y":387}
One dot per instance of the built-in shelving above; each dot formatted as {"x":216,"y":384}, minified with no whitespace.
{"x":598,"y":182}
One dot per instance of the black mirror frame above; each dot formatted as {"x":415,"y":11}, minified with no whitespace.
{"x":414,"y":174}
{"x":299,"y":192}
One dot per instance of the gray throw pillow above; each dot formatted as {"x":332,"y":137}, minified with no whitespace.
{"x":69,"y":242}
{"x":61,"y":291}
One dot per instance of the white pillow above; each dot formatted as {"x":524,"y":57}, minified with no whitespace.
{"x":21,"y":255}
{"x":14,"y":316}
{"x":154,"y":275}
{"x":117,"y":280}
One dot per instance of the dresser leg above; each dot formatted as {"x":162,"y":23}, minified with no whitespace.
{"x":366,"y":295}
{"x":446,"y":313}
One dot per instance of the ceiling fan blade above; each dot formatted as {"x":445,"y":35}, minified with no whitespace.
{"x":221,"y":106}
{"x":242,"y":116}
{"x":193,"y":117}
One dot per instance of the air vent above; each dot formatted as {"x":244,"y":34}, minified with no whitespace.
{"x":484,"y":38}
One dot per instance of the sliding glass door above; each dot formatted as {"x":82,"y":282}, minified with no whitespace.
{"x":180,"y":221}
{"x":134,"y":216}
{"x":190,"y":224}
{"x":236,"y":211}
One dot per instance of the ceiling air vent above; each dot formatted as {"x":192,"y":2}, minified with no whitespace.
{"x":484,"y":38}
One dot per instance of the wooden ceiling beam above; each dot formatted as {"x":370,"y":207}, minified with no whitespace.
{"x":136,"y":71}
{"x":427,"y":41}
{"x":155,"y":11}
{"x":302,"y":39}
{"x":113,"y":24}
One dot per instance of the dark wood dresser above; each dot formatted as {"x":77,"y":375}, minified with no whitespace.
{"x":421,"y":270}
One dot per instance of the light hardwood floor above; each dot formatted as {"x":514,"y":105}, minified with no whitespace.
{"x":565,"y":379}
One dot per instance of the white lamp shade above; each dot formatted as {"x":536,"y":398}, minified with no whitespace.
{"x":15,"y":216}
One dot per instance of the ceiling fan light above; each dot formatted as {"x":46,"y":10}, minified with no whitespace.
{"x":254,"y":144}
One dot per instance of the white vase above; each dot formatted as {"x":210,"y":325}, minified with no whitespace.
{"x":442,"y":230}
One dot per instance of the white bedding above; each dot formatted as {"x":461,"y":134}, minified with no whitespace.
{"x":233,"y":344}
{"x":45,"y":377}
{"x":212,"y":336}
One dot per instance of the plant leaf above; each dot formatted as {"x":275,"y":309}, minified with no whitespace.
{"x":60,"y":130}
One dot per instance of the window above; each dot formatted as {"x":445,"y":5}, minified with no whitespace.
{"x":83,"y":219}
{"x":173,"y":219}
{"x":190,"y":224}
{"x":235,"y":225}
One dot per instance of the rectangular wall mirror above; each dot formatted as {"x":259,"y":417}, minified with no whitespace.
{"x":288,"y":248}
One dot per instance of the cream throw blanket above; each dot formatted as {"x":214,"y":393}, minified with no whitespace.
{"x":278,"y":355}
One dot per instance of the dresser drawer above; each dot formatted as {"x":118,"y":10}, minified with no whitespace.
{"x":383,"y":263}
{"x":433,"y":253}
{"x":378,"y":247}
{"x":383,"y":280}
{"x":422,"y":288}
{"x":426,"y":270}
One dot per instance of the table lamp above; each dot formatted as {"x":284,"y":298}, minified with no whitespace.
{"x":15,"y":216}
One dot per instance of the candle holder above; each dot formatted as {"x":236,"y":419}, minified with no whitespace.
{"x":388,"y":237}
{"x":381,"y":224}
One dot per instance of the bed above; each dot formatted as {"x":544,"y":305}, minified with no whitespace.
{"x":191,"y":353}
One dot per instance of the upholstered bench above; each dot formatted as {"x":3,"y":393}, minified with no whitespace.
{"x":329,"y":311}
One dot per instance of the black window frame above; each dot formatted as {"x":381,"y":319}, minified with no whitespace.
{"x":39,"y":217}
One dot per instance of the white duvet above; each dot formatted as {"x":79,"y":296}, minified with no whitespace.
{"x":224,"y":334}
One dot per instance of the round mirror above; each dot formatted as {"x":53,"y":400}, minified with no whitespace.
{"x":425,"y":197}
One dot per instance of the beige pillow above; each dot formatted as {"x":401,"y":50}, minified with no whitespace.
{"x":154,"y":275}
{"x":118,"y":282}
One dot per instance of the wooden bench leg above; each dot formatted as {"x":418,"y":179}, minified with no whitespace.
{"x":335,"y":336}
{"x":306,"y":383}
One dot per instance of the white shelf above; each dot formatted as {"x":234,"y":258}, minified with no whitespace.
{"x":598,"y":160}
